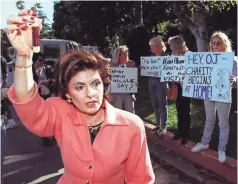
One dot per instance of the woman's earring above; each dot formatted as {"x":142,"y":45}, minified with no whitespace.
{"x":69,"y":100}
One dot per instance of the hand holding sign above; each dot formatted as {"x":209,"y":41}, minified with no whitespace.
{"x":207,"y":75}
{"x":232,"y":79}
{"x":124,"y":80}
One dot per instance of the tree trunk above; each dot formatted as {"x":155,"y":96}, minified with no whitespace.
{"x":197,"y":25}
{"x":138,"y":13}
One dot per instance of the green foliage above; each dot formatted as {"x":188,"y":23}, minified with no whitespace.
{"x":172,"y":117}
{"x":107,"y":24}
{"x":20,"y":5}
{"x":46,"y":31}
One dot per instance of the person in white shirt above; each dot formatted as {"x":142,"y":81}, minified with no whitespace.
{"x":120,"y":58}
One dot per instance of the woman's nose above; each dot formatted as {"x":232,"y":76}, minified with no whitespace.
{"x":91,"y":92}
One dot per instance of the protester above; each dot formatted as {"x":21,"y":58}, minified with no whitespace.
{"x":219,"y":42}
{"x":158,"y":90}
{"x":89,"y":131}
{"x":120,"y":58}
{"x":178,"y":47}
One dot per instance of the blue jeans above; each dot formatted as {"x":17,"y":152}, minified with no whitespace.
{"x":158,"y":94}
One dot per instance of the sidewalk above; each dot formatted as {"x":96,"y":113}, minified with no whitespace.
{"x":206,"y":167}
{"x":27,"y":160}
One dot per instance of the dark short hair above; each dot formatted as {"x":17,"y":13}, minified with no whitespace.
{"x":75,"y":61}
{"x":36,"y":55}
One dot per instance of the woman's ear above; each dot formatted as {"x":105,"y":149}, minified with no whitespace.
{"x":68,"y":96}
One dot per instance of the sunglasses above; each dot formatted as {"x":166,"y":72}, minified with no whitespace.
{"x":216,"y":44}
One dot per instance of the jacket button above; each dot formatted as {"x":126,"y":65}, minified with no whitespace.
{"x":87,"y":182}
{"x":90,"y":166}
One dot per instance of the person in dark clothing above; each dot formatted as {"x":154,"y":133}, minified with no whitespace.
{"x":6,"y":106}
{"x":43,"y":76}
{"x":178,"y":47}
{"x":234,"y":100}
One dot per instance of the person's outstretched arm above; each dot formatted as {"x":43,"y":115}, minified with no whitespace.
{"x":37,"y":115}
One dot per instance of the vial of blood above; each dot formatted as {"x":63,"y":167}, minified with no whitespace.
{"x":35,"y":33}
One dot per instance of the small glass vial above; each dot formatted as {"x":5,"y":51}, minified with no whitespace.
{"x":35,"y":33}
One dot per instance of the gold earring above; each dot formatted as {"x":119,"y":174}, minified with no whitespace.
{"x":69,"y":100}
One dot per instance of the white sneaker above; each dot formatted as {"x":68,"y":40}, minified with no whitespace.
{"x":221,"y":156}
{"x":162,"y":132}
{"x":10,"y":124}
{"x":199,"y":147}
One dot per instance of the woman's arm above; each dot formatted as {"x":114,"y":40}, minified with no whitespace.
{"x":23,"y":78}
{"x":138,"y":166}
{"x":39,"y":116}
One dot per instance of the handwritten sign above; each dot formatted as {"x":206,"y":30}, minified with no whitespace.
{"x":172,"y":68}
{"x":124,"y":80}
{"x":207,"y":75}
{"x":151,"y":66}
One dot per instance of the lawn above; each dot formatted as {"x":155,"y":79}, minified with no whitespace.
{"x":172,"y":117}
{"x":145,"y":111}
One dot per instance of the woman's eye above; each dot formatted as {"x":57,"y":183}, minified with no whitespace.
{"x":78,"y":87}
{"x":97,"y":83}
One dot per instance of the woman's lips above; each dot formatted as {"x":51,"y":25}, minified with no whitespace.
{"x":91,"y":104}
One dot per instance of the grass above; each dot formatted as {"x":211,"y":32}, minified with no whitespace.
{"x":172,"y":117}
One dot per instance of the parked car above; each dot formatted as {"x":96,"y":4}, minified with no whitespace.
{"x":54,"y":48}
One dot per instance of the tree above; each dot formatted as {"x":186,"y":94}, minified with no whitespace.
{"x":107,"y":24}
{"x":20,"y":5}
{"x":197,"y":22}
{"x":47,"y":31}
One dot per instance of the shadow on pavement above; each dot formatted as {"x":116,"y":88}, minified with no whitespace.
{"x":27,"y":161}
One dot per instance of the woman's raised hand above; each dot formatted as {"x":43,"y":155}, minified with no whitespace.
{"x":19,"y":31}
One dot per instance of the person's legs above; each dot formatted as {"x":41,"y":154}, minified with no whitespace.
{"x":233,"y":108}
{"x":116,"y":100}
{"x":210,"y":111}
{"x":223,"y":116}
{"x":154,"y":101}
{"x":184,"y":115}
{"x":161,"y":94}
{"x":128,"y":102}
{"x":179,"y":121}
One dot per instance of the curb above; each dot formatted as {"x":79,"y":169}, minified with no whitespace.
{"x":206,"y":158}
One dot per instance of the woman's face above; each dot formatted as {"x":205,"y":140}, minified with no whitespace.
{"x":86,"y":91}
{"x":154,"y":47}
{"x":123,"y":57}
{"x":176,"y":49}
{"x":217,"y":45}
{"x":39,"y":62}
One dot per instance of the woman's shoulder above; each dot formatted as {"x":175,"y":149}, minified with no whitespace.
{"x":132,"y":119}
{"x":60,"y":104}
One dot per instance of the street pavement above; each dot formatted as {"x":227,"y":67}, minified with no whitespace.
{"x":27,"y":161}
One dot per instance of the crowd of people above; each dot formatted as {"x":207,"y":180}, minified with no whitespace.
{"x":72,"y":104}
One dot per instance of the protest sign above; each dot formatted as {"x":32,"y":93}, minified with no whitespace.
{"x":172,"y":68}
{"x":124,"y":80}
{"x":151,"y":66}
{"x":207,"y":75}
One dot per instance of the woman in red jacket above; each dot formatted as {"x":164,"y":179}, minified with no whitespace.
{"x":99,"y":144}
